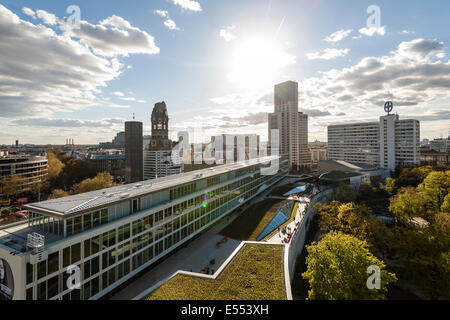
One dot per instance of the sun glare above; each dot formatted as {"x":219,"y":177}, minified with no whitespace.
{"x":257,"y":62}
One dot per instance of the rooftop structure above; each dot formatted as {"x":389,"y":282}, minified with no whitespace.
{"x":115,"y":233}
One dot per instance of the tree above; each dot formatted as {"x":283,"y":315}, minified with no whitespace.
{"x":11,"y":186}
{"x":413,"y":177}
{"x":436,"y":185}
{"x":58,"y":193}
{"x":100,"y":181}
{"x":425,"y":256}
{"x":345,"y":193}
{"x":55,"y":166}
{"x":337,"y":269}
{"x":409,"y":203}
{"x":358,"y":221}
{"x":446,"y":204}
{"x":390,"y":186}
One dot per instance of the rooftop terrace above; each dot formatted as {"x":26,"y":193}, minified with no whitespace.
{"x":255,"y":273}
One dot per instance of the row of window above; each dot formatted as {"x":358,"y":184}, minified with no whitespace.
{"x":147,"y":240}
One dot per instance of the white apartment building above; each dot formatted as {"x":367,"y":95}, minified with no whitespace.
{"x":292,"y":126}
{"x":388,"y":143}
{"x":159,"y":163}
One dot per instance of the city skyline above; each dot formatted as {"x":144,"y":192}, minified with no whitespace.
{"x":88,"y":82}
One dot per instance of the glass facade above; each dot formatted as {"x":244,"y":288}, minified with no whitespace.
{"x":108,"y":257}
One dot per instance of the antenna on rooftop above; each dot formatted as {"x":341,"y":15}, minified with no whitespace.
{"x":134,"y":116}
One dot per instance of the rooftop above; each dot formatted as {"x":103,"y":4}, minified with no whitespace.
{"x":255,"y":273}
{"x":356,"y":166}
{"x":84,"y":202}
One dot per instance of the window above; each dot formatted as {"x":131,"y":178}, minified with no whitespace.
{"x":87,"y":248}
{"x":76,"y":253}
{"x":87,"y":221}
{"x":77,"y":225}
{"x":66,"y":257}
{"x":104,"y":216}
{"x":53,"y":262}
{"x":96,"y":219}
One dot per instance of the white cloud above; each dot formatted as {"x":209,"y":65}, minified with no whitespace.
{"x":169,"y":23}
{"x":67,"y":123}
{"x":118,"y":93}
{"x":328,"y":54}
{"x":421,"y":49}
{"x":338,"y":35}
{"x":115,"y":21}
{"x":188,"y":5}
{"x":120,"y":39}
{"x":43,"y":72}
{"x":29,"y":12}
{"x":227,"y":33}
{"x":47,"y":18}
{"x":162,"y":13}
{"x":373,"y":30}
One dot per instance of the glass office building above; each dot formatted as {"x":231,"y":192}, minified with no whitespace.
{"x":112,"y":234}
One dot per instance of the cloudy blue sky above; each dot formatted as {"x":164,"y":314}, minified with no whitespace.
{"x":214,"y":63}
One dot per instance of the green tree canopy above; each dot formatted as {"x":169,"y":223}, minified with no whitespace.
{"x":58,"y":193}
{"x":55,"y":166}
{"x":11,"y":186}
{"x":413,"y":177}
{"x":425,"y":255}
{"x":437,"y":186}
{"x":446,"y":204}
{"x":358,"y":221}
{"x":100,"y":181}
{"x":390,"y":186}
{"x":337,"y":269}
{"x":409,"y":203}
{"x":345,"y":193}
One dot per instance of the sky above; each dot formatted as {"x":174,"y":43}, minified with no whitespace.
{"x":215,"y":62}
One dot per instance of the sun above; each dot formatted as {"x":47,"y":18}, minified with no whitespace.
{"x":256,"y":63}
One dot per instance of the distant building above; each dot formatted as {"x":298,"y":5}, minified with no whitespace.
{"x":31,"y":169}
{"x":440,"y":145}
{"x":292,"y":126}
{"x":317,"y":154}
{"x":112,"y":162}
{"x":133,"y":151}
{"x":158,"y":156}
{"x":239,"y":147}
{"x":117,"y":143}
{"x":435,"y":158}
{"x":388,"y":143}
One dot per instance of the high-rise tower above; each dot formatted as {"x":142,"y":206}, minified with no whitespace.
{"x":292,"y":126}
{"x":133,"y":151}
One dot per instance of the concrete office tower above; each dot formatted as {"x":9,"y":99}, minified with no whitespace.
{"x":158,"y":156}
{"x":292,"y":125}
{"x":134,"y":152}
{"x":388,"y":143}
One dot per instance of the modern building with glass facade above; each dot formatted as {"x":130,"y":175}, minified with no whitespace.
{"x":112,"y":234}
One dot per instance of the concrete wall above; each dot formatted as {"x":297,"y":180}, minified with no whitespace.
{"x":298,"y":241}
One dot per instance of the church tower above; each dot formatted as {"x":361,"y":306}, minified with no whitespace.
{"x":160,"y":128}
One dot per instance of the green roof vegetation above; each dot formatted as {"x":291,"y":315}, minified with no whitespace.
{"x":253,"y":220}
{"x":255,"y":273}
